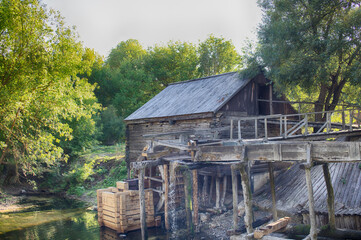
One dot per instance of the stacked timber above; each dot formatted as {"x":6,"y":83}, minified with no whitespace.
{"x":118,"y":208}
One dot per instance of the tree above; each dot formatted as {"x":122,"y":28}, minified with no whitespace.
{"x":40,"y":91}
{"x":126,"y":50}
{"x":217,"y":55}
{"x":311,"y":45}
{"x":173,"y":62}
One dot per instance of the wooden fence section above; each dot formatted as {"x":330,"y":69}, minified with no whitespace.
{"x":118,"y":208}
{"x":299,"y":125}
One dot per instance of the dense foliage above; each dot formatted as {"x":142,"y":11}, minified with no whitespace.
{"x":311,"y":48}
{"x":42,"y":100}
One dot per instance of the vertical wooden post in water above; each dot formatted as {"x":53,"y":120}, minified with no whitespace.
{"x":195,"y":198}
{"x":186,"y":199}
{"x":217,"y":190}
{"x":311,"y":200}
{"x":143,"y":217}
{"x":247,"y":196}
{"x":235,"y":196}
{"x":166,"y":192}
{"x":273,"y":191}
{"x":330,"y":197}
{"x":224,"y":190}
{"x":204,"y":190}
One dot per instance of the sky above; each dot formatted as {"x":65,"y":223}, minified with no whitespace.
{"x":102,"y":24}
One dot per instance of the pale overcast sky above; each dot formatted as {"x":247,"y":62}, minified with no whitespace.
{"x":102,"y":24}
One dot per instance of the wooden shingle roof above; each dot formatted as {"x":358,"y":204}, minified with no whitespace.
{"x":203,"y":95}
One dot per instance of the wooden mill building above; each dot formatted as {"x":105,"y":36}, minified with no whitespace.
{"x":202,"y":106}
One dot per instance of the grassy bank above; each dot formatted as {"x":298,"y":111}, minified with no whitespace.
{"x":98,"y":167}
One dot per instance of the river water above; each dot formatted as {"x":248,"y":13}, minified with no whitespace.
{"x":59,"y":219}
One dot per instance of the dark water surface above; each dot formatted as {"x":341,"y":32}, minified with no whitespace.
{"x":58,"y":218}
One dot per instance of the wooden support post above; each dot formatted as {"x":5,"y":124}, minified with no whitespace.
{"x":205,"y":190}
{"x":239,"y":130}
{"x":217,"y":192}
{"x":211,"y":190}
{"x":166,"y":193}
{"x":270,"y":100}
{"x":235,"y":196}
{"x":311,"y":200}
{"x":231,"y":130}
{"x":186,"y":199}
{"x":195,"y":198}
{"x":351,"y":119}
{"x":330,"y":197}
{"x":343,"y":118}
{"x":224,"y":190}
{"x":255,"y":128}
{"x":247,"y":196}
{"x":143,"y":217}
{"x":306,"y":124}
{"x":273,"y":191}
{"x":265,"y":129}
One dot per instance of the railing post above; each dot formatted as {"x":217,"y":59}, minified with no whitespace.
{"x":239,"y":130}
{"x":351,"y":116}
{"x":328,"y":123}
{"x":343,"y":118}
{"x":285,"y":125}
{"x":358,"y":119}
{"x":231,"y":132}
{"x":265,"y":129}
{"x":306,"y":124}
{"x":281,"y":126}
{"x":255,"y":128}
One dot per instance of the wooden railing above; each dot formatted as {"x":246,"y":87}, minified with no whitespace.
{"x":301,"y":124}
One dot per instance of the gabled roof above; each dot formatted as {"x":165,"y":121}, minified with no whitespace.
{"x":203,"y":95}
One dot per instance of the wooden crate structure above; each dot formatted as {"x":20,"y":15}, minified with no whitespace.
{"x":118,"y":208}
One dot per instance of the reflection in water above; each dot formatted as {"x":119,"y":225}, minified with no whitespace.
{"x":58,"y":219}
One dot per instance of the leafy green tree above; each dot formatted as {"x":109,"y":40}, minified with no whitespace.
{"x":40,"y":91}
{"x":216,"y":56}
{"x":311,"y":45}
{"x":173,"y":62}
{"x":126,"y":50}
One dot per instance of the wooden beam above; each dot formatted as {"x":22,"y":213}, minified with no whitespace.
{"x":273,"y":191}
{"x":323,"y":152}
{"x":234,"y":168}
{"x":311,"y":201}
{"x":217,"y":191}
{"x":186,"y":179}
{"x":272,"y":227}
{"x":166,"y":194}
{"x":205,"y":190}
{"x":195,"y":198}
{"x":330,"y":197}
{"x":224,"y":190}
{"x":143,"y":217}
{"x":247,"y":196}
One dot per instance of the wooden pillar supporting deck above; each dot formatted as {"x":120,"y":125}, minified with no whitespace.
{"x":217,"y":191}
{"x":330,"y":197}
{"x":166,"y":192}
{"x":247,"y":196}
{"x":311,"y":200}
{"x":195,"y":198}
{"x":186,"y":178}
{"x":143,"y":217}
{"x":211,"y":190}
{"x":235,"y":196}
{"x":224,"y":190}
{"x":204,"y":190}
{"x":273,"y":191}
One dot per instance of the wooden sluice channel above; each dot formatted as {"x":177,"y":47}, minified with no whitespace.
{"x":237,"y":154}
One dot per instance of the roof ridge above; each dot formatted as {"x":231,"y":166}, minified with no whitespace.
{"x":196,"y":79}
